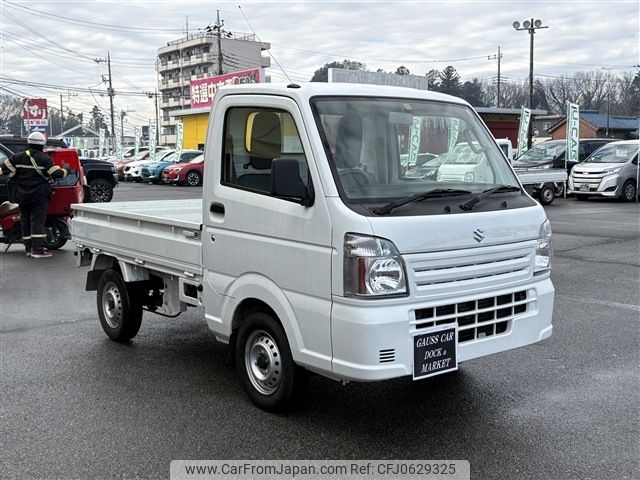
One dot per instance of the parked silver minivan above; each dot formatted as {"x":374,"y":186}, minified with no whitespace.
{"x":611,"y":171}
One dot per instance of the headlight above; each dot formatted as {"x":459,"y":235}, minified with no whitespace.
{"x":373,"y":267}
{"x":613,"y":170}
{"x":543,"y":249}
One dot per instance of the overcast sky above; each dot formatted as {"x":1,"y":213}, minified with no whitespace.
{"x":55,"y":42}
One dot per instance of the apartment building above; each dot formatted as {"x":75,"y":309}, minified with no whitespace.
{"x":194,"y":57}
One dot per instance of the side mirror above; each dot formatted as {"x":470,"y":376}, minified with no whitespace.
{"x":286,"y":181}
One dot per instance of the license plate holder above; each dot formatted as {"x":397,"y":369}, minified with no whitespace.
{"x":584,"y":187}
{"x":435,"y":351}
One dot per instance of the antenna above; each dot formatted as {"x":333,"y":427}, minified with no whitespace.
{"x":269,"y":51}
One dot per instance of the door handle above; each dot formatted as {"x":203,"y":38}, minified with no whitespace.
{"x":217,"y":208}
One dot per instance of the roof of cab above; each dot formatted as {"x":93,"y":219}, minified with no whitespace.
{"x":305,"y":91}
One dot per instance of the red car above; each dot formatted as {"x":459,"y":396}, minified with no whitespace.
{"x":189,"y":173}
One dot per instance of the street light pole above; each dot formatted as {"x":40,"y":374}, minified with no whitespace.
{"x":530,"y":26}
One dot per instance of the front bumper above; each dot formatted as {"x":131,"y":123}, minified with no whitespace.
{"x":609,"y":186}
{"x":363,"y":330}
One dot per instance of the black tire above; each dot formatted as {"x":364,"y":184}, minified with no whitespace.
{"x":101,"y":190}
{"x":55,"y":239}
{"x":629,"y":192}
{"x":118,"y":308}
{"x":582,"y":197}
{"x":193,"y":178}
{"x":546,"y":195}
{"x":277,"y":380}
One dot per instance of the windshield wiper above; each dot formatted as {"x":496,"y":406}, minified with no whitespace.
{"x":437,"y":192}
{"x":471,"y":204}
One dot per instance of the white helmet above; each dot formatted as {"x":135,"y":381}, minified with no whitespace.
{"x":36,"y":138}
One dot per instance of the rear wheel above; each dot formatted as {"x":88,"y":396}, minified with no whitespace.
{"x":546,"y":195}
{"x":119,"y":310}
{"x":629,"y":191}
{"x":265,"y":363}
{"x":193,"y":178}
{"x":55,"y":238}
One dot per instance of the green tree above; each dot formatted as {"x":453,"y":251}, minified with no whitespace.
{"x":97,"y":120}
{"x":450,"y":81}
{"x":473,"y":93}
{"x":433,"y":80}
{"x":322,"y":74}
{"x":10,"y":115}
{"x":402,"y":70}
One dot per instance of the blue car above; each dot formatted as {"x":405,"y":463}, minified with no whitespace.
{"x":152,"y":172}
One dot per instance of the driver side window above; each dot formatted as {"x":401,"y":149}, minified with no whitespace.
{"x":254,"y":137}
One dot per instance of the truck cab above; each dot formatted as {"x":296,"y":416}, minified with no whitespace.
{"x":317,"y":251}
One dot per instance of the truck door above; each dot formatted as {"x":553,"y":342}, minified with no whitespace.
{"x":260,"y":246}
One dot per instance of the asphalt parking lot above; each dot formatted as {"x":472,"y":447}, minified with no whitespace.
{"x":76,"y":405}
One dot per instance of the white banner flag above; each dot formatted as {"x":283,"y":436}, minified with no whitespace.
{"x":152,"y":142}
{"x":179,"y":139}
{"x":454,"y":128}
{"x":523,"y":131}
{"x":138,"y":131}
{"x":573,"y":134}
{"x":101,"y":142}
{"x":118,"y":140}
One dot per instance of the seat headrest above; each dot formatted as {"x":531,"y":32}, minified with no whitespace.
{"x":266,"y":140}
{"x":348,"y":142}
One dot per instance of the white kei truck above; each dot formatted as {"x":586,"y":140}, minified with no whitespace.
{"x":312,"y":251}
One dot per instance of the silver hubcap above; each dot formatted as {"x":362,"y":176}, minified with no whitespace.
{"x":192,"y":179}
{"x":112,"y":305}
{"x":547,"y":194}
{"x":263,"y":362}
{"x":629,"y":192}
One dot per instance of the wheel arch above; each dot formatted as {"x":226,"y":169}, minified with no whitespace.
{"x":253,"y":292}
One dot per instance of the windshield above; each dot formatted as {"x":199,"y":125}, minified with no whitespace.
{"x":172,"y":157}
{"x":543,"y":152}
{"x":613,"y":153}
{"x":385,"y":149}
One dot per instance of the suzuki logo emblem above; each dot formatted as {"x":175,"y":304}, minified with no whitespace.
{"x":478,"y":235}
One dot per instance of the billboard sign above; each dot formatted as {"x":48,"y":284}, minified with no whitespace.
{"x":35,"y":114}
{"x":203,"y":89}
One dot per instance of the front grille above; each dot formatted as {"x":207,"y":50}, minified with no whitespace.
{"x":145,"y":173}
{"x":476,"y":319}
{"x":592,"y":179}
{"x":468,"y":270}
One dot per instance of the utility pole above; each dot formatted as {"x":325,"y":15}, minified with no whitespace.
{"x":219,"y":31}
{"x":61,"y":115}
{"x":155,"y":97}
{"x":110,"y":90}
{"x":497,"y":57}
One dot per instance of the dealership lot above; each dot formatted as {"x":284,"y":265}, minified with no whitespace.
{"x":75,"y":404}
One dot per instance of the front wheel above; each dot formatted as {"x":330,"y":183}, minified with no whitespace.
{"x":193,"y":178}
{"x":629,"y":191}
{"x":119,"y":310}
{"x":101,"y":190}
{"x":265,"y":363}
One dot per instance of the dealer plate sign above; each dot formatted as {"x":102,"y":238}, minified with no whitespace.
{"x":435,"y":351}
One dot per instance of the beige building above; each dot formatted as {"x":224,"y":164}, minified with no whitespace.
{"x":194,"y":57}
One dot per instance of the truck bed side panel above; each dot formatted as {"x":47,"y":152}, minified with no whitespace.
{"x":158,"y":235}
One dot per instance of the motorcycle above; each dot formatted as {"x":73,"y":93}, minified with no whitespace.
{"x":64,"y":192}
